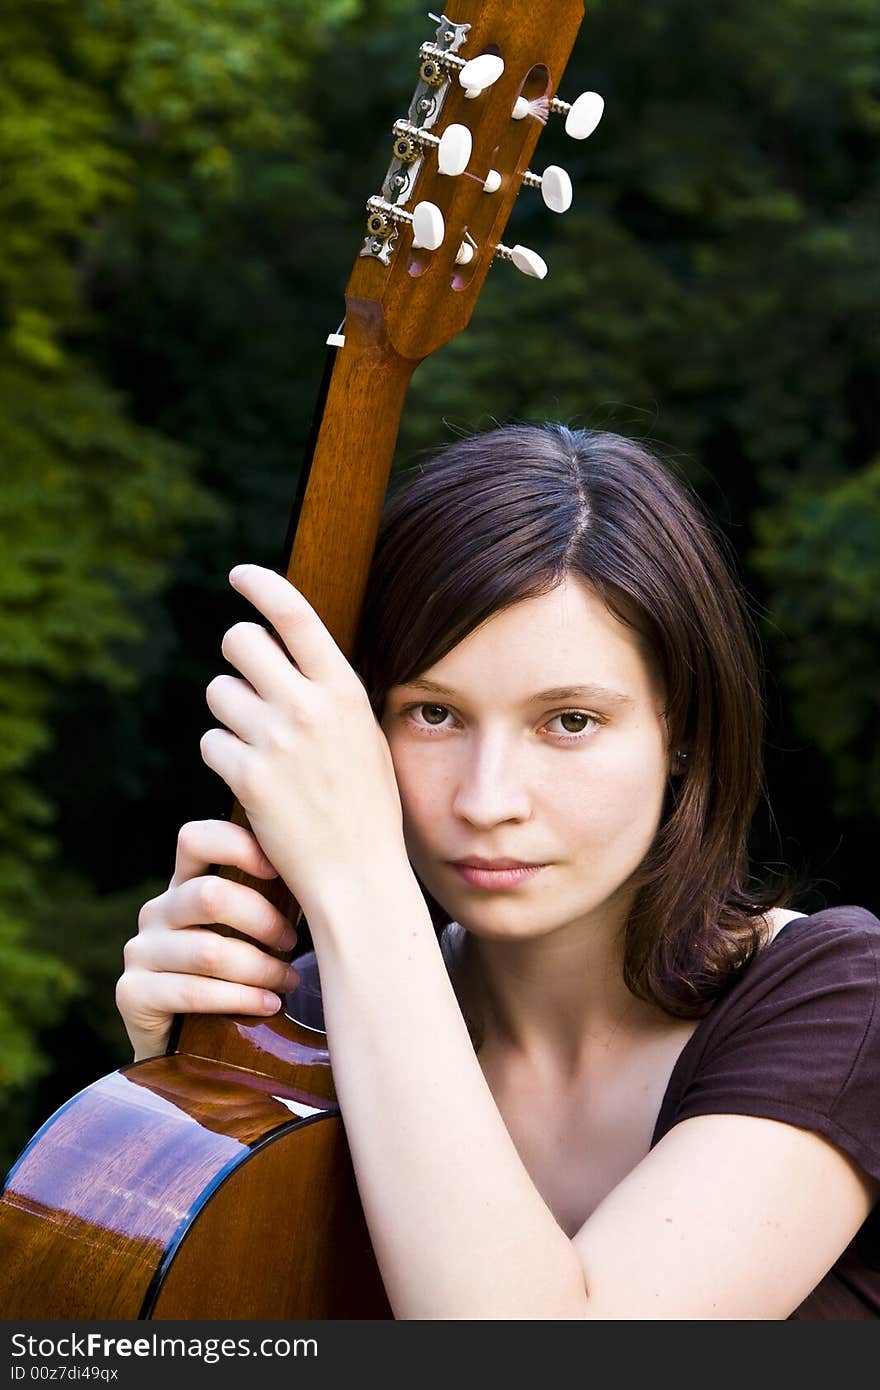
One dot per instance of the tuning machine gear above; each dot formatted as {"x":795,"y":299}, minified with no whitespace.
{"x":384,"y":219}
{"x":453,"y":146}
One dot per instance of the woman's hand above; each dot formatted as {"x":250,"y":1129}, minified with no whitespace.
{"x":303,"y":752}
{"x":176,"y":966}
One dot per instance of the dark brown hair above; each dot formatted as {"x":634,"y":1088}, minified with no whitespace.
{"x":503,"y":516}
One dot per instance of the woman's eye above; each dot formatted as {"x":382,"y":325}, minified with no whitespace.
{"x":432,"y":714}
{"x":573,"y":721}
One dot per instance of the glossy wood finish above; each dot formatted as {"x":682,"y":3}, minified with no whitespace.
{"x":216,"y":1182}
{"x":175,"y":1188}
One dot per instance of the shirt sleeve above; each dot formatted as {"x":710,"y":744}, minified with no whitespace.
{"x":797,"y":1038}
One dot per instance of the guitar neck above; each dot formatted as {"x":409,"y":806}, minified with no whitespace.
{"x":348,"y":474}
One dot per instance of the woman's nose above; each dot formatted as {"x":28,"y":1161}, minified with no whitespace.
{"x":491,"y":787}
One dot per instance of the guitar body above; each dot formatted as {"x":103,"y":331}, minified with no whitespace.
{"x":216,"y":1182}
{"x":177,"y":1188}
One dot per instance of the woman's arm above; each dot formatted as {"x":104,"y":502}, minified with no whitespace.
{"x":458,"y":1226}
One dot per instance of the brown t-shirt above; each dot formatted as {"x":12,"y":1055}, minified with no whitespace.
{"x":797,"y":1039}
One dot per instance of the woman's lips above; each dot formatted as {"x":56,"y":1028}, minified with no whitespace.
{"x":480,"y":876}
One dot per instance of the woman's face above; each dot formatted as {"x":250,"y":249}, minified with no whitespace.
{"x":540,"y":741}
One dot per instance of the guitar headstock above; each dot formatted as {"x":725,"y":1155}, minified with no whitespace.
{"x":487,"y":79}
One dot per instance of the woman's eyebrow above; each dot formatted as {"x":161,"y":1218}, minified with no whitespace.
{"x":559,"y":692}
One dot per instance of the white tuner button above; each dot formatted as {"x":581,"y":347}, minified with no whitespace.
{"x":480,"y":73}
{"x":556,"y":188}
{"x":521,"y":109}
{"x":465,"y":254}
{"x":529,"y":262}
{"x":429,"y":228}
{"x":454,"y":150}
{"x":493,"y":182}
{"x":584,"y":115}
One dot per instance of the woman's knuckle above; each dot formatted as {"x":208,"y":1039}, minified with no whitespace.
{"x":188,"y":836}
{"x":130,"y":952}
{"x":279,"y":736}
{"x":270,"y":923}
{"x":208,"y":954}
{"x":126,"y":992}
{"x":210,"y":898}
{"x":146,"y":915}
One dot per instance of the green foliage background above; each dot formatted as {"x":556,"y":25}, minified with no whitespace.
{"x":181,"y":200}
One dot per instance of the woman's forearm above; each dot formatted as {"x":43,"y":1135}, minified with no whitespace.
{"x":459,"y":1229}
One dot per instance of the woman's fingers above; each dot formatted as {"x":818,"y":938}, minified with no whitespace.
{"x":177,"y":965}
{"x":202,"y":901}
{"x":261,"y":658}
{"x":164,"y":955}
{"x":294,"y":619}
{"x":201,"y":843}
{"x":149,"y":1004}
{"x":236,"y":704}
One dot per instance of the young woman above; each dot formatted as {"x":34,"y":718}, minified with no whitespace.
{"x":632,"y":1084}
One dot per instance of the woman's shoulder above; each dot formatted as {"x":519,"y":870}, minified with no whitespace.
{"x":809,"y":995}
{"x":848,"y":915}
{"x":796,"y":1037}
{"x":849,"y":927}
{"x":807,"y":958}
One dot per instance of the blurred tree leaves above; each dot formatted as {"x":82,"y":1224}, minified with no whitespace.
{"x":91,"y":503}
{"x":820,"y":551}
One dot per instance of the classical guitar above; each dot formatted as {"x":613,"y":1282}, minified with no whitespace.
{"x":215,"y":1182}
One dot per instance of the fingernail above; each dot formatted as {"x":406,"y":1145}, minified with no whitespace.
{"x":236,"y":574}
{"x":271,"y":1002}
{"x":291,"y":979}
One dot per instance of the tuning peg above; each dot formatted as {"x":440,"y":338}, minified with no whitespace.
{"x":426,"y":220}
{"x":555,"y":186}
{"x":475,"y":75}
{"x":529,"y":262}
{"x":492,"y":182}
{"x":453,"y":146}
{"x":454,"y":150}
{"x":429,"y":229}
{"x":582,"y":116}
{"x":480,"y":73}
